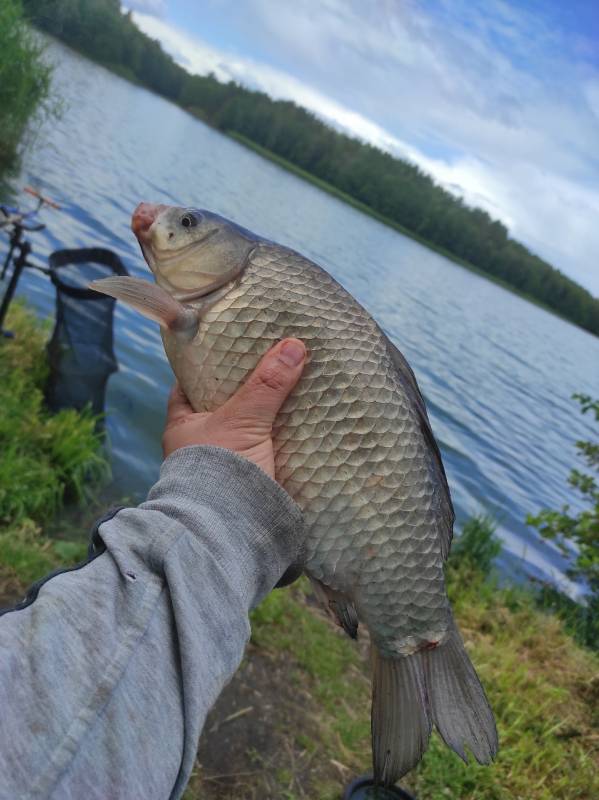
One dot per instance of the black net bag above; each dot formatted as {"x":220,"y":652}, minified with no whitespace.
{"x":80,"y":352}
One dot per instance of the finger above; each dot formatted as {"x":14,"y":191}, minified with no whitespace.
{"x":178,"y":405}
{"x":267,"y":388}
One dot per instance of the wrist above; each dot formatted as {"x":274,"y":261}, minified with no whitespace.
{"x":265,"y":525}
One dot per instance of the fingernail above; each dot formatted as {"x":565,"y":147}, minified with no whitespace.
{"x":292,"y":354}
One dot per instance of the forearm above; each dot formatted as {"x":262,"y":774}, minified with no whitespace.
{"x":106,"y":679}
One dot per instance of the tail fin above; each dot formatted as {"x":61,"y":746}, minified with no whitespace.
{"x":459,"y":706}
{"x":411,"y":693}
{"x":401,"y":722}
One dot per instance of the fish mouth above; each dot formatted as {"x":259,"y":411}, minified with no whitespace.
{"x":160,"y":260}
{"x":163,"y":259}
{"x":157,"y":257}
{"x":180,"y":271}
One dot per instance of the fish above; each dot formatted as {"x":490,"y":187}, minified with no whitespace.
{"x":353,"y":447}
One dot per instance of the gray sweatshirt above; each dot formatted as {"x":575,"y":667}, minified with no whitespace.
{"x":107,"y":676}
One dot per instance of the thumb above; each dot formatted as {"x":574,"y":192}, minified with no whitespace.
{"x":260,"y":398}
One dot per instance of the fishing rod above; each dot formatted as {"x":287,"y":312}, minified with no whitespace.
{"x":20,"y":222}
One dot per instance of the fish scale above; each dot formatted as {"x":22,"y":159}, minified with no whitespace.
{"x":348,"y":444}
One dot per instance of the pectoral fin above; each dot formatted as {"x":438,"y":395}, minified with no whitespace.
{"x":152,"y":301}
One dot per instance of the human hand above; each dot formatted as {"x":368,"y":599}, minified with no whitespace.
{"x":244,"y":423}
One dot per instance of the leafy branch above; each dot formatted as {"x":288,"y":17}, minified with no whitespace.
{"x":581,"y":529}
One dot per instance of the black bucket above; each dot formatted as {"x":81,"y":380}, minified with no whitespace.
{"x":81,"y":352}
{"x":364,"y":789}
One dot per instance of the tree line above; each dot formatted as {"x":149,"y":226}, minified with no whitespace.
{"x":392,"y":187}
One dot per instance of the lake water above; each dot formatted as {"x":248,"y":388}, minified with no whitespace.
{"x":497,"y":372}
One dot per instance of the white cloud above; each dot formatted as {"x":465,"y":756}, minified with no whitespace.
{"x":492,"y":109}
{"x":193,"y":54}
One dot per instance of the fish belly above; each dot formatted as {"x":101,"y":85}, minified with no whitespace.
{"x":348,"y":445}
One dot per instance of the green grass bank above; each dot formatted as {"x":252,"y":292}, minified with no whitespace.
{"x":48,"y":460}
{"x":315,"y":687}
{"x":303,"y":730}
{"x":294,"y":723}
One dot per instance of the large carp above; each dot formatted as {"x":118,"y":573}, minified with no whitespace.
{"x":353,"y":446}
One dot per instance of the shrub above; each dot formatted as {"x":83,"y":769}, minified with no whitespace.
{"x":581,"y":530}
{"x":477,"y":546}
{"x":24,"y":79}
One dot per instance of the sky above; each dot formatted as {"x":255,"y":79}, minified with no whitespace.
{"x":497,"y":99}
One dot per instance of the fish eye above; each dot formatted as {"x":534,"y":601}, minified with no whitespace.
{"x":188,"y":221}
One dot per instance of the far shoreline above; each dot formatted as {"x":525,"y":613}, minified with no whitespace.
{"x":370,"y":212}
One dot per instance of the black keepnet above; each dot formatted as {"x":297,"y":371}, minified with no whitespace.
{"x":80,"y":352}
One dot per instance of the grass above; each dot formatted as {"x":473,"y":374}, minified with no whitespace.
{"x":330,"y":669}
{"x":477,"y":547}
{"x":543,"y":687}
{"x":47,"y":459}
{"x":27,"y":555}
{"x":581,"y":621}
{"x":544,"y":690}
{"x":326,"y":659}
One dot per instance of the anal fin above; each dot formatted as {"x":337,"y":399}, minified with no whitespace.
{"x":339,"y":606}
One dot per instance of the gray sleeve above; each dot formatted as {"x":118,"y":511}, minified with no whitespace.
{"x":107,"y":677}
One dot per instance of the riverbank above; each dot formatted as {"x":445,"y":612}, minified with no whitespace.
{"x":48,"y":460}
{"x":295,"y":722}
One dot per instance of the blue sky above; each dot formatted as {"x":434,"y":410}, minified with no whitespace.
{"x":497,"y":99}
